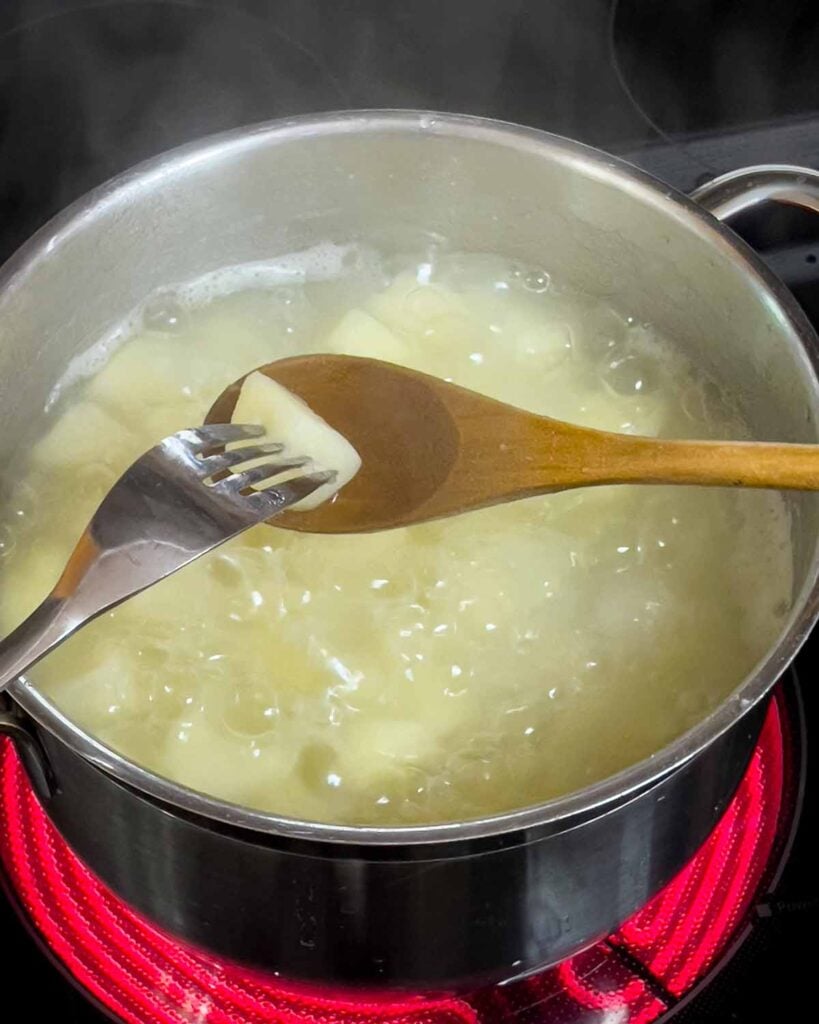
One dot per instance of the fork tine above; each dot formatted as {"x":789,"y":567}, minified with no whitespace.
{"x":291,"y":491}
{"x":213,"y":464}
{"x":256,"y":475}
{"x":199,"y":439}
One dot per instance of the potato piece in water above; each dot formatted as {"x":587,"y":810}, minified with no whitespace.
{"x":381,"y":748}
{"x":83,"y":435}
{"x":412,"y":308}
{"x":200,"y":751}
{"x":97,"y":685}
{"x":172,"y":374}
{"x":359,"y":334}
{"x":289,"y":420}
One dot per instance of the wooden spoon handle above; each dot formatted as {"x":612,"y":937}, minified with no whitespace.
{"x":710,"y":463}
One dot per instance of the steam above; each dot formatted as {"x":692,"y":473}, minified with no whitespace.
{"x":91,"y":87}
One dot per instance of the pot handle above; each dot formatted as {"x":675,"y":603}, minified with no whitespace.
{"x":15,"y":725}
{"x":741,"y":190}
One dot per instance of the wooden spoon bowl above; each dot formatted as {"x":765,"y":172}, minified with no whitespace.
{"x":431,"y":449}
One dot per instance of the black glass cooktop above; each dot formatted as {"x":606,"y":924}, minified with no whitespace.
{"x":685,"y":88}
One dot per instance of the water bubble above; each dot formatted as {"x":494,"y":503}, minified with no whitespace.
{"x":24,"y":501}
{"x":546,"y":345}
{"x":601,"y":346}
{"x":714,"y":404}
{"x":7,"y":540}
{"x":692,"y":404}
{"x":704,"y":403}
{"x":479,"y":271}
{"x":425,"y":303}
{"x":164,"y":313}
{"x":227,"y":570}
{"x":316,"y":766}
{"x":250,"y":712}
{"x":536,"y":281}
{"x":631,"y":375}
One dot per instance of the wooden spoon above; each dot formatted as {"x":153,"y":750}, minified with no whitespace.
{"x":430,"y":449}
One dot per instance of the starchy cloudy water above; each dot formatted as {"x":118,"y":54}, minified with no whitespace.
{"x":445,"y":671}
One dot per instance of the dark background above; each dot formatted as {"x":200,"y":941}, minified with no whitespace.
{"x":687,"y":88}
{"x":89,"y":87}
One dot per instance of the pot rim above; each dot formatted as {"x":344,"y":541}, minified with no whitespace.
{"x":560,"y":811}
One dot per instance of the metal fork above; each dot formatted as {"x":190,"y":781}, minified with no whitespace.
{"x":176,"y":503}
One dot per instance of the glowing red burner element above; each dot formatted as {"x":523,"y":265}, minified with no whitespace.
{"x":680,"y":934}
{"x":143,"y":976}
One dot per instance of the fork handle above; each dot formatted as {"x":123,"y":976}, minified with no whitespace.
{"x":46,"y":628}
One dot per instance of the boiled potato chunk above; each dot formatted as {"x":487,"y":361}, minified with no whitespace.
{"x":200,"y":751}
{"x":289,"y":420}
{"x":380,"y":748}
{"x":160,"y":375}
{"x":86,"y":434}
{"x":412,"y":309}
{"x":359,"y":334}
{"x":99,"y":684}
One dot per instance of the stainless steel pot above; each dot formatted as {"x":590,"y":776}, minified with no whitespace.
{"x":457,"y":903}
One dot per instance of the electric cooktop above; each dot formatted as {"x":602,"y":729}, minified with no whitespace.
{"x":685,"y":88}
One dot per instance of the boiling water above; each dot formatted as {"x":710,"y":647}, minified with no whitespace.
{"x":444,"y":671}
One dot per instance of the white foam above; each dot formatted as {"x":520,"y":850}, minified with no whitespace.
{"x":93,"y":359}
{"x":323,"y":262}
